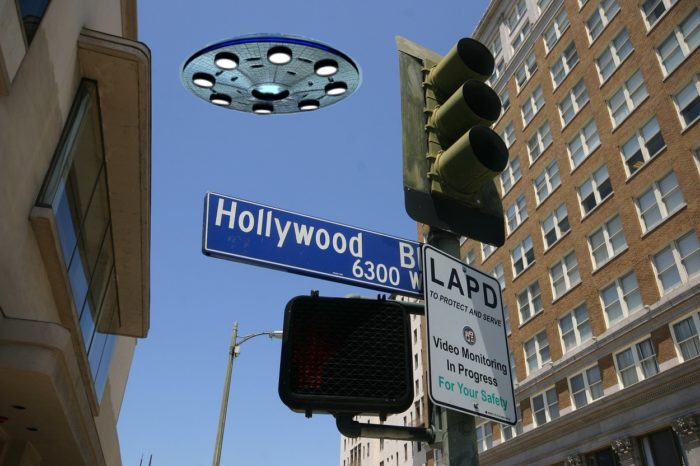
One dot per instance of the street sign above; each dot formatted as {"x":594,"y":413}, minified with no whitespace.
{"x":257,"y":234}
{"x":468,"y":365}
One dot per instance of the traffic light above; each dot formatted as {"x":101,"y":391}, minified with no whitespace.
{"x":346,"y":356}
{"x":450,"y":156}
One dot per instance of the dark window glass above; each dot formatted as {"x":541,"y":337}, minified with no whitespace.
{"x":691,"y":111}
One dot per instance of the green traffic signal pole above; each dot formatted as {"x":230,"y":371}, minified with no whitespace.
{"x":457,"y":430}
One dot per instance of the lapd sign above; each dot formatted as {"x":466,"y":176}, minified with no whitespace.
{"x":257,"y":234}
{"x":468,"y":366}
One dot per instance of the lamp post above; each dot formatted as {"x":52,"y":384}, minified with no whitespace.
{"x":234,"y":350}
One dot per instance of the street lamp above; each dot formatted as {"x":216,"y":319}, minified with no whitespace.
{"x":234,"y":350}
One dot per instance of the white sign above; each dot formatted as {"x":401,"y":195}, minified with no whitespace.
{"x":468,"y":366}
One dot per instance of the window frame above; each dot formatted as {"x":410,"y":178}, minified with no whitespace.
{"x":660,"y":203}
{"x":574,"y":100}
{"x":694,"y":318}
{"x":588,"y":388}
{"x":678,"y":262}
{"x":518,"y":215}
{"x":639,"y":140}
{"x":629,"y":97}
{"x":637,"y":362}
{"x":595,"y":190}
{"x":605,"y":15}
{"x":681,"y":44}
{"x":560,"y":23}
{"x":523,"y":252}
{"x":549,"y":173}
{"x":695,"y":102}
{"x":577,"y":324}
{"x":513,"y":172}
{"x":613,"y":49}
{"x":533,"y":294}
{"x":539,"y":348}
{"x":570,"y":275}
{"x":547,"y":406}
{"x":526,"y":71}
{"x":667,"y":4}
{"x":556,"y":225}
{"x":564,"y":64}
{"x":539,"y":142}
{"x":533,"y":103}
{"x":585,"y":142}
{"x":622,"y":298}
{"x":608,"y":237}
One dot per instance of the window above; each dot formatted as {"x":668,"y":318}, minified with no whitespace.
{"x":486,"y":250}
{"x":505,"y":101}
{"x":642,"y":146}
{"x":680,"y":43}
{"x":613,"y":55}
{"x":604,"y":12}
{"x":627,"y":98}
{"x":530,"y":302}
{"x":539,"y":141}
{"x":516,"y":213}
{"x":523,"y":255}
{"x":513,"y":373}
{"x":662,"y":448}
{"x":526,"y":71}
{"x":678,"y":262}
{"x":545,"y":406}
{"x":536,"y":351}
{"x":555,"y":225}
{"x":573,"y":102}
{"x":547,"y":181}
{"x":653,"y":10}
{"x":470,"y":257}
{"x":685,"y":335}
{"x":559,"y":24}
{"x":532,"y":105}
{"x":607,"y":242}
{"x":638,"y":362}
{"x":688,"y":102}
{"x":586,"y":387}
{"x":497,"y":70}
{"x":508,"y":134}
{"x":564,"y":64}
{"x":496,"y":46}
{"x":76,"y":189}
{"x":499,"y":274}
{"x":508,"y":431}
{"x":595,"y":190}
{"x":660,"y":201}
{"x":575,"y":328}
{"x":506,"y":320}
{"x":516,"y":14}
{"x":32,"y":12}
{"x":564,"y":275}
{"x":583,"y":144}
{"x":621,"y":298}
{"x":520,"y":36}
{"x":511,"y":174}
{"x":484,"y":437}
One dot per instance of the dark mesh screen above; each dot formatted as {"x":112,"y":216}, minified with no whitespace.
{"x":340,"y":347}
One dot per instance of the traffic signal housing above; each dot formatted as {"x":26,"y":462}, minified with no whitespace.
{"x":346,"y":356}
{"x":450,"y":155}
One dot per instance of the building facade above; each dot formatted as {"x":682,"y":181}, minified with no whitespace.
{"x":600,"y":272}
{"x":75,"y":130}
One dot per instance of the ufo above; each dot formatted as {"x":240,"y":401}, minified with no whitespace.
{"x":270,"y":74}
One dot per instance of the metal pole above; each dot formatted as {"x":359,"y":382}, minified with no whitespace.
{"x":459,"y":442}
{"x":224,"y":398}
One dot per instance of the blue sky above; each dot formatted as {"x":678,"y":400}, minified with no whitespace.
{"x":341,"y":163}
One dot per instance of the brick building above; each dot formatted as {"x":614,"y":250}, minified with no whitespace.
{"x":601,"y":264}
{"x":601,"y":267}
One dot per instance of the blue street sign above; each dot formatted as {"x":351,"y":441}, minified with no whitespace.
{"x":257,"y":234}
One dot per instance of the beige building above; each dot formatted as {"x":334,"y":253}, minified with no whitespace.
{"x":601,"y":266}
{"x":75,"y":130}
